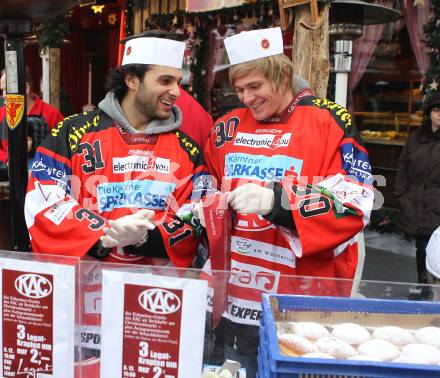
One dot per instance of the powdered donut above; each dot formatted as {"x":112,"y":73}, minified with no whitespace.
{"x":425,"y":352}
{"x":429,"y":335}
{"x":409,"y":360}
{"x":317,"y":355}
{"x":310,"y":330}
{"x":335,"y":347}
{"x":362,"y":357}
{"x":351,"y":333}
{"x":294,"y":345}
{"x":283,"y":327}
{"x":381,"y":349}
{"x":395,"y":335}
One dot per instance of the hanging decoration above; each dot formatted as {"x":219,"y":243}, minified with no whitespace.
{"x":433,"y":85}
{"x":432,"y":40}
{"x":97,"y":8}
{"x":112,"y":19}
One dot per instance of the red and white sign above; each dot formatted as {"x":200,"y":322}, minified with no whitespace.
{"x":152,"y":326}
{"x":37,"y":327}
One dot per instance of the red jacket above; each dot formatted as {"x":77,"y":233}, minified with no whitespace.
{"x":50,"y":114}
{"x":196,"y":121}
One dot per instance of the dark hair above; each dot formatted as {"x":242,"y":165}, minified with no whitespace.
{"x":116,"y":79}
{"x":430,"y":102}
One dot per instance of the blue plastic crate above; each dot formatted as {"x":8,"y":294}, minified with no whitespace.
{"x":277,"y":365}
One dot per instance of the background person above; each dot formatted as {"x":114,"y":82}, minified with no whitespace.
{"x":109,"y":182}
{"x":41,"y":118}
{"x":294,"y":167}
{"x":417,"y":185}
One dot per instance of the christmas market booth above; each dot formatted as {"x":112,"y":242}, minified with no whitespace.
{"x":142,"y":317}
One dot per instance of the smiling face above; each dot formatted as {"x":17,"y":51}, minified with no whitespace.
{"x":258,"y":94}
{"x":155,"y":94}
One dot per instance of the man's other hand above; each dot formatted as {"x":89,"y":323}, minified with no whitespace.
{"x":251,"y":199}
{"x":128,"y":230}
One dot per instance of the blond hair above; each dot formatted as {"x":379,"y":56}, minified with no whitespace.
{"x":275,"y":68}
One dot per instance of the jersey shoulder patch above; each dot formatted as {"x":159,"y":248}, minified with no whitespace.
{"x":74,"y":127}
{"x":341,"y":115}
{"x":189,"y":146}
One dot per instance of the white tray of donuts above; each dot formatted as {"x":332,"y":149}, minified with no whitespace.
{"x":391,"y":336}
{"x":352,"y":341}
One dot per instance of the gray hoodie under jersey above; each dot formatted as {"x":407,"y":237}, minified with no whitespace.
{"x":110,"y":105}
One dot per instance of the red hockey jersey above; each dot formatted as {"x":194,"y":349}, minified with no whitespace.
{"x":90,"y":170}
{"x":314,"y":151}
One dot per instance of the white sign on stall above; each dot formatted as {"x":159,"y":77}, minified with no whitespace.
{"x":37,"y":310}
{"x":152,"y":326}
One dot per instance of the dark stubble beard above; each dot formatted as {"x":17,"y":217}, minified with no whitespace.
{"x":146,"y":104}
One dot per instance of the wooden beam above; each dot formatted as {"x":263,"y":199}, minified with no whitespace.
{"x":311,"y":49}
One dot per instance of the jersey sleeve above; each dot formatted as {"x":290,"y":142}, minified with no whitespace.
{"x":180,"y":231}
{"x":329,"y":210}
{"x":56,"y":222}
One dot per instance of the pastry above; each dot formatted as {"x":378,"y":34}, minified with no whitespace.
{"x":335,"y":347}
{"x":395,"y":335}
{"x":294,"y":345}
{"x":317,"y":355}
{"x":310,"y":330}
{"x":423,"y":351}
{"x":381,"y":349}
{"x":351,"y":333}
{"x":429,"y":335}
{"x":410,"y":360}
{"x":362,"y":357}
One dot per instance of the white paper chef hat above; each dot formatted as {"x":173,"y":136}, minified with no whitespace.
{"x":254,"y":44}
{"x":151,"y":50}
{"x":433,"y":254}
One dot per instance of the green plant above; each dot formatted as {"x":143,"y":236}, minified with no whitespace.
{"x":51,"y":32}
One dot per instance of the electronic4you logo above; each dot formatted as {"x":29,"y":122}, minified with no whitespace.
{"x":33,"y":285}
{"x":159,"y":301}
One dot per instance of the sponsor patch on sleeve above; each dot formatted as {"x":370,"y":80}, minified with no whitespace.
{"x":356,"y":163}
{"x":47,"y":168}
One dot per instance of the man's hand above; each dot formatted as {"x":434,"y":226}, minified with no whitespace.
{"x":128,"y":230}
{"x":251,"y":199}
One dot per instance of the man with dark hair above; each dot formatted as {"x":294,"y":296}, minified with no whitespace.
{"x":41,"y":117}
{"x":196,"y":121}
{"x":113,"y":183}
